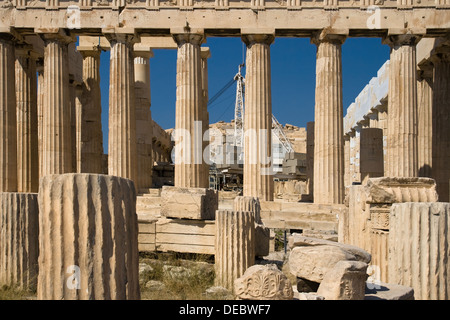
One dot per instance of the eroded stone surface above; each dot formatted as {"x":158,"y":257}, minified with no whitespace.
{"x":263,"y":282}
{"x":345,"y":281}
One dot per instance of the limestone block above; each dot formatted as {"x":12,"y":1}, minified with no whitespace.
{"x":88,"y":240}
{"x":262,"y":234}
{"x":345,"y":281}
{"x":19,"y":231}
{"x":313,"y":262}
{"x":419,"y":247}
{"x":235,"y":245}
{"x":392,"y":190}
{"x":189,"y":203}
{"x":297,"y":240}
{"x":263,"y":282}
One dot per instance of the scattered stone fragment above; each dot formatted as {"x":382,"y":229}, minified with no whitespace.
{"x":313,"y":262}
{"x":346,"y":281}
{"x":263,"y":282}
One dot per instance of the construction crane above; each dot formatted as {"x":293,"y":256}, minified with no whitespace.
{"x":277,"y":129}
{"x":239,"y":109}
{"x":239,"y":114}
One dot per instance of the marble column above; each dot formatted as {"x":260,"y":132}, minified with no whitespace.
{"x":27,"y":126}
{"x":258,"y":166}
{"x":40,"y":105}
{"x":8,"y":124}
{"x":205,"y":53}
{"x":402,"y":151}
{"x":328,"y":133}
{"x":89,"y":123}
{"x":424,"y":110}
{"x":144,"y":130}
{"x":56,"y":121}
{"x":189,"y":113}
{"x":122,"y":152}
{"x":441,"y":116}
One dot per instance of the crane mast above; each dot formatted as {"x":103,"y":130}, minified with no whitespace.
{"x":239,"y":109}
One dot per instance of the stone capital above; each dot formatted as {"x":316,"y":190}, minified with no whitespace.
{"x":55,"y":35}
{"x":398,"y":40}
{"x":187,"y":37}
{"x":89,"y":51}
{"x":331,"y":36}
{"x":250,"y":39}
{"x":143,"y":52}
{"x":23,"y":49}
{"x":441,"y":53}
{"x":425,"y":70}
{"x":205,"y":53}
{"x":127,"y":36}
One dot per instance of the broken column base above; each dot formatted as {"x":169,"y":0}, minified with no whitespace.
{"x":189,"y":203}
{"x":366,"y":222}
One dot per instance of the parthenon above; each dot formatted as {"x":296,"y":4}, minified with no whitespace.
{"x":377,"y":172}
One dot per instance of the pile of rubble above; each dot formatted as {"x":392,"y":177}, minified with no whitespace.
{"x":323,"y":270}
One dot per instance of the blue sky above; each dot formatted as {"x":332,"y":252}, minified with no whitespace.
{"x":293,"y":78}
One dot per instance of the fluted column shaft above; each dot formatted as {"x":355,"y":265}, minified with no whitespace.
{"x":8,"y":125}
{"x":56,"y":121}
{"x":425,"y":131}
{"x":27,"y":126}
{"x":441,"y":127}
{"x":88,"y":246}
{"x":40,"y":105}
{"x":258,"y":173}
{"x":328,"y":129}
{"x":419,"y":247}
{"x":122,"y":152}
{"x":205,"y":54}
{"x":402,"y":143}
{"x":143,"y":117}
{"x":19,"y":239}
{"x":235,"y":245}
{"x":89,"y":122}
{"x":189,"y":113}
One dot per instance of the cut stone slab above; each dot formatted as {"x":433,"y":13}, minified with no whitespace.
{"x":298,"y":240}
{"x":388,"y":291}
{"x":313,"y":262}
{"x":263,"y":282}
{"x":346,"y":281}
{"x":189,"y":203}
